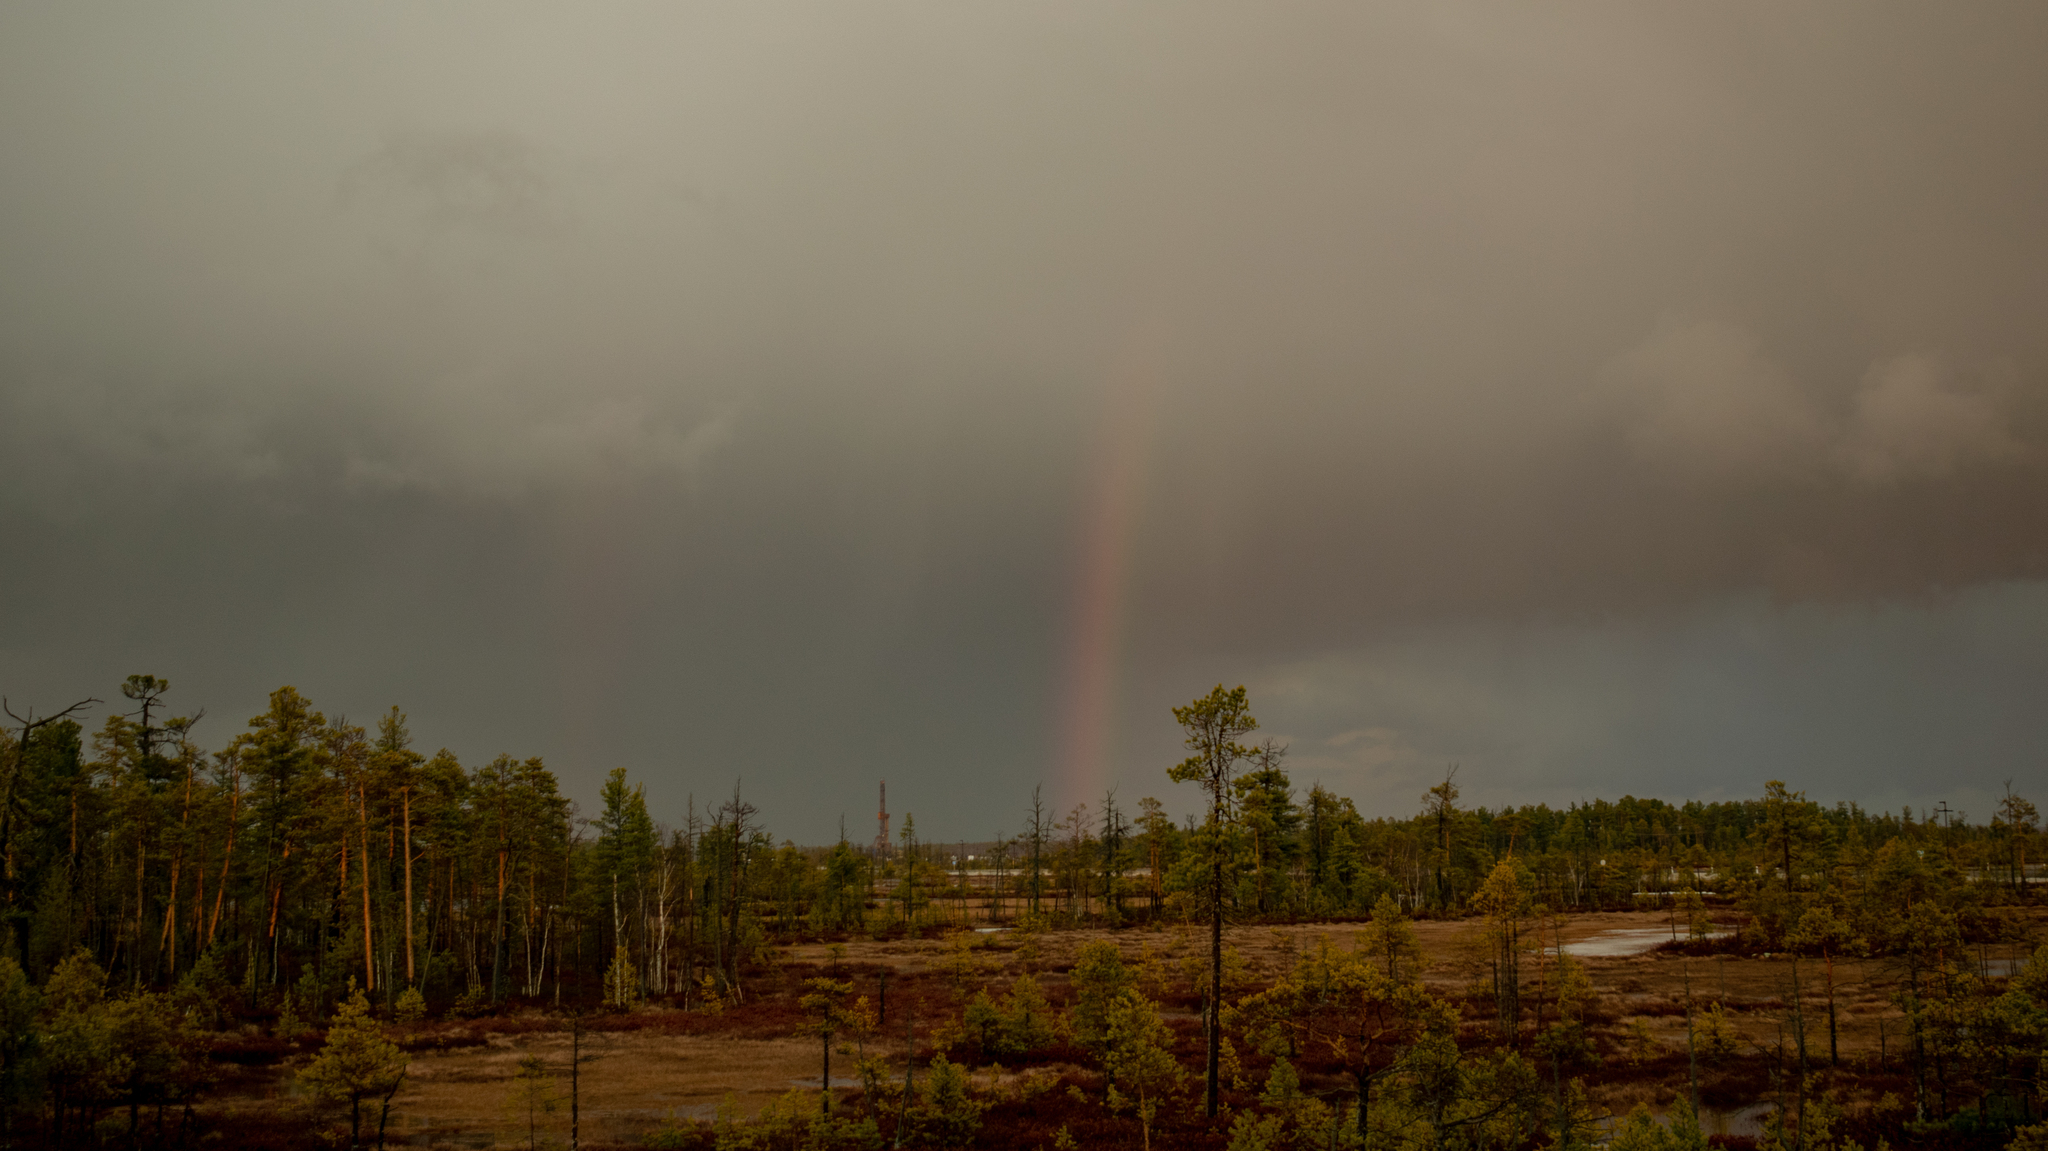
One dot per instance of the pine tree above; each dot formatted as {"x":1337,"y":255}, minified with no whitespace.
{"x":1137,"y":1055}
{"x":356,"y":1063}
{"x":1212,"y":725}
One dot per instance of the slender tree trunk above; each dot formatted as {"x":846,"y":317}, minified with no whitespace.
{"x":276,"y":897}
{"x":692,"y":905}
{"x":1799,"y":1039}
{"x":1834,"y":1050}
{"x":363,"y":829}
{"x":498,"y":945}
{"x":139,"y":861}
{"x":227,"y":858}
{"x":169,"y":944}
{"x":384,"y":1111}
{"x":732,"y":951}
{"x":167,"y":939}
{"x":1364,"y":1087}
{"x":579,"y":937}
{"x":661,"y":924}
{"x":909,"y":1070}
{"x":1259,"y":866}
{"x":526,"y":931}
{"x":199,"y":898}
{"x":1212,"y":1059}
{"x":1692,"y":1066}
{"x":1158,"y":878}
{"x":406,"y":802}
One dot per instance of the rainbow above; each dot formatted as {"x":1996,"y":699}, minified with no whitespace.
{"x":1115,"y":496}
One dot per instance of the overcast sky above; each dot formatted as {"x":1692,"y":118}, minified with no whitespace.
{"x":1603,"y":398}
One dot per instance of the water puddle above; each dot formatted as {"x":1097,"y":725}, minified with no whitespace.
{"x":1738,"y":1121}
{"x":1620,"y":941}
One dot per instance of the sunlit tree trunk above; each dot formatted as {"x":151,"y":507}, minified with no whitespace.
{"x":169,"y":944}
{"x":139,"y":861}
{"x":406,"y":806}
{"x":276,"y":897}
{"x":227,"y":858}
{"x":363,"y":830}
{"x":661,"y":922}
{"x":199,"y":898}
{"x":498,"y":943}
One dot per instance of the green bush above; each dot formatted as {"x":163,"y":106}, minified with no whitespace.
{"x":945,"y":1115}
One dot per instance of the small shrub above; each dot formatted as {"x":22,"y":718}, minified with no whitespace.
{"x":1641,"y":1044}
{"x":621,"y":982}
{"x":471,"y":1003}
{"x":1640,"y":1131}
{"x":708,"y":1000}
{"x":792,"y":1121}
{"x":289,"y":1025}
{"x":673,"y":1135}
{"x":2034,"y":1138}
{"x":1714,"y":1035}
{"x":945,"y":1115}
{"x":1252,"y":1132}
{"x":1099,"y":978}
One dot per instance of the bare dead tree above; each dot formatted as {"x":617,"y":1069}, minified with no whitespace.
{"x":738,"y":817}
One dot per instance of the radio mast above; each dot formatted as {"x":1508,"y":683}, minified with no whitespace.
{"x":882,"y":826}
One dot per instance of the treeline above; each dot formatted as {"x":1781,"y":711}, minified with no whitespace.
{"x":306,"y":851}
{"x":1293,"y":856}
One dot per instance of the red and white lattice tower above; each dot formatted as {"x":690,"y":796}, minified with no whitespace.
{"x":882,"y":825}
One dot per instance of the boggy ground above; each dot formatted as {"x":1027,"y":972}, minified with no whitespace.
{"x":659,"y":1062}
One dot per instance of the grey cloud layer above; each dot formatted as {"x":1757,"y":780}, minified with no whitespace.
{"x":1709,"y":399}
{"x":675,"y":364}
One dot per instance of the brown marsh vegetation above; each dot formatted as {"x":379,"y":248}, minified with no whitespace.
{"x":659,"y":1073}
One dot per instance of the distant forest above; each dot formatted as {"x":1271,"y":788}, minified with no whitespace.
{"x":307,"y":853}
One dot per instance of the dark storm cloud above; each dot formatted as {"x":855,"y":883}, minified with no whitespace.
{"x":719,"y":391}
